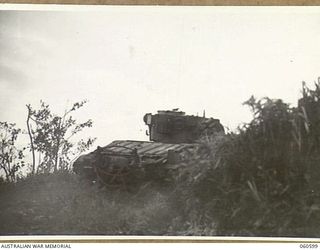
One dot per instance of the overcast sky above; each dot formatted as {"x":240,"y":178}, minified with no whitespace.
{"x":128,"y":61}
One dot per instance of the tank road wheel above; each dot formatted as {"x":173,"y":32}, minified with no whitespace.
{"x":115,"y":179}
{"x":115,"y":170}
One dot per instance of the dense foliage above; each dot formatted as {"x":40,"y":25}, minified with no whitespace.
{"x":262,"y":180}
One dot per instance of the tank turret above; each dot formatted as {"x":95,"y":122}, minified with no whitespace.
{"x":176,"y":127}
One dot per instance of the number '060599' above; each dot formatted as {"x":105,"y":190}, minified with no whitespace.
{"x":310,"y":246}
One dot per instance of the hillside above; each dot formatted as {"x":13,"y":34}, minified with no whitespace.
{"x":61,"y":203}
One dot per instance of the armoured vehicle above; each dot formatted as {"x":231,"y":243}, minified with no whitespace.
{"x":123,"y":163}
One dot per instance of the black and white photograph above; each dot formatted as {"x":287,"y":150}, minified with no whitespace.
{"x":159,"y":121}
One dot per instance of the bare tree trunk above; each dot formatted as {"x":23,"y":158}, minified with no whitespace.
{"x":31,"y":140}
{"x":57,"y":149}
{"x":39,"y":162}
{"x":6,"y":172}
{"x":3,"y":164}
{"x":10,"y":172}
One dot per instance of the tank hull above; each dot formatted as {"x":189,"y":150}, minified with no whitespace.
{"x":125,"y":162}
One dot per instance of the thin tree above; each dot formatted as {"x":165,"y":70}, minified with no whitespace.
{"x":31,"y":139}
{"x":53,"y":137}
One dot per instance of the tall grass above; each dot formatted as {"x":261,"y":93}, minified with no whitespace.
{"x":262,"y":180}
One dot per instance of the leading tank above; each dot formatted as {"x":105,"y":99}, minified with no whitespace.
{"x":124,"y":163}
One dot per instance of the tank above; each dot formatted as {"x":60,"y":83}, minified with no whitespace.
{"x":125,"y":163}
